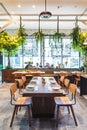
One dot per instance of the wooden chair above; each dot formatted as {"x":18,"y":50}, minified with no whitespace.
{"x":63,"y":74}
{"x":66,"y":85}
{"x":18,"y":75}
{"x":20,"y":85}
{"x":77,"y":78}
{"x":19,"y":102}
{"x":65,"y":101}
{"x":61,"y":81}
{"x":24,"y":80}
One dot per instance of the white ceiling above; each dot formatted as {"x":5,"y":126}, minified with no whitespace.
{"x":66,"y":9}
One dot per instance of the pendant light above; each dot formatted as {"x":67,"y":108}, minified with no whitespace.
{"x":45,"y":14}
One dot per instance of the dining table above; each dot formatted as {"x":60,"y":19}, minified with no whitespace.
{"x":43,"y":90}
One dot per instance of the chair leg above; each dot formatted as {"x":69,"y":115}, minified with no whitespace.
{"x":15,"y":109}
{"x":29,"y":118}
{"x":19,"y":108}
{"x":74,"y":116}
{"x":68,"y":109}
{"x":57,"y":115}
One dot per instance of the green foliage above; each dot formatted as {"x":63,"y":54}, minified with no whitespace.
{"x":21,"y":33}
{"x":8,"y":67}
{"x":75,"y":35}
{"x":29,"y":62}
{"x":57,"y":37}
{"x":39,"y":36}
{"x":85,"y":64}
{"x":9,"y":44}
{"x":1,"y":66}
{"x":78,"y":40}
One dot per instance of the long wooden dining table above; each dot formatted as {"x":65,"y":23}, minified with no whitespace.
{"x":43,"y":90}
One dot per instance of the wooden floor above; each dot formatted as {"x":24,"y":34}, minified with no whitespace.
{"x":21,"y":123}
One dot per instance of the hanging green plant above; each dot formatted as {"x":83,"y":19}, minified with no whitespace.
{"x":76,"y":36}
{"x":51,"y":40}
{"x":21,"y":32}
{"x":39,"y":36}
{"x":57,"y":36}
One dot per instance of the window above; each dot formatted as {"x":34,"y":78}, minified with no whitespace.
{"x":52,"y":54}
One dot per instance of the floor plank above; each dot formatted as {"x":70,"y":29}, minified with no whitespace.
{"x":21,"y":122}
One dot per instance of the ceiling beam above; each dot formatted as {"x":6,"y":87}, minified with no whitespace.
{"x":7,"y":24}
{"x":44,"y":20}
{"x":38,"y":14}
{"x":7,"y":13}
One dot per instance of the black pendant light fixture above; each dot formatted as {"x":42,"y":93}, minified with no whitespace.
{"x":45,"y":14}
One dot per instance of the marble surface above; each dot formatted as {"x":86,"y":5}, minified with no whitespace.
{"x":21,"y":121}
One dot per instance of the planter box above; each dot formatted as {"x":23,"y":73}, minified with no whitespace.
{"x":7,"y":75}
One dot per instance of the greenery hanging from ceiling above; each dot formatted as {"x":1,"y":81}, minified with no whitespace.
{"x":75,"y":35}
{"x":78,"y":38}
{"x":39,"y":36}
{"x":21,"y":32}
{"x":58,"y":36}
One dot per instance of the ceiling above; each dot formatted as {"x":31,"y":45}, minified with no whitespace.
{"x":30,"y":9}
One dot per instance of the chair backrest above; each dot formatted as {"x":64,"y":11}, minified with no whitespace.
{"x":13,"y":90}
{"x":63,"y":74}
{"x":78,"y":74}
{"x":24,"y":78}
{"x":18,"y":75}
{"x":21,"y":83}
{"x":73,"y":89}
{"x":62,"y":79}
{"x":36,"y":74}
{"x":66,"y":82}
